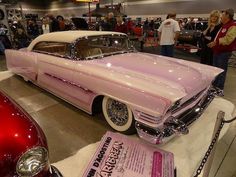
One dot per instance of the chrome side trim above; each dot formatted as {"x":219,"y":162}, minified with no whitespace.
{"x":147,"y":117}
{"x":87,"y":91}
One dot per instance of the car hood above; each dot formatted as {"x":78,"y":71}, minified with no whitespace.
{"x":19,"y":133}
{"x":164,"y":76}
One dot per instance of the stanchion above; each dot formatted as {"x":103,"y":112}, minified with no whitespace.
{"x":219,"y":120}
{"x":207,"y":160}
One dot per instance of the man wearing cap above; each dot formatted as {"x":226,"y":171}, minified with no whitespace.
{"x":223,"y":45}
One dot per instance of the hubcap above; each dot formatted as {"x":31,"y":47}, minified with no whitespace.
{"x":117,"y":112}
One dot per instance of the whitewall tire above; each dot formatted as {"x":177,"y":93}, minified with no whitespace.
{"x":118,"y":115}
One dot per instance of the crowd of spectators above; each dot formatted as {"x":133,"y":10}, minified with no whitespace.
{"x":23,"y":31}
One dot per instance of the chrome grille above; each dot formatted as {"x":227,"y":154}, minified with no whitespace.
{"x":189,"y":101}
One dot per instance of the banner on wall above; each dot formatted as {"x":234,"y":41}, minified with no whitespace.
{"x":119,"y":155}
{"x":87,"y":1}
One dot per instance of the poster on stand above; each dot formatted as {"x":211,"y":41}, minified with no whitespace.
{"x":120,"y":156}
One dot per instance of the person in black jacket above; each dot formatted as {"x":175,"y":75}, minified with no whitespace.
{"x":54,"y":23}
{"x":32,"y":29}
{"x":109,"y":23}
{"x":208,"y":36}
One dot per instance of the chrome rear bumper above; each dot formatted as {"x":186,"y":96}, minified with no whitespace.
{"x":176,"y":125}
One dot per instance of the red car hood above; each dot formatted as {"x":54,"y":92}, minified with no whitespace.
{"x":18,"y":133}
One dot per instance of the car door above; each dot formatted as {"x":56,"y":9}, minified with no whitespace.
{"x":55,"y":68}
{"x":22,"y":62}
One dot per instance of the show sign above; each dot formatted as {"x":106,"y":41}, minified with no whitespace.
{"x":119,"y":155}
{"x":87,"y":1}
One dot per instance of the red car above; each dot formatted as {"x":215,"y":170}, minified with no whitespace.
{"x":23,"y":145}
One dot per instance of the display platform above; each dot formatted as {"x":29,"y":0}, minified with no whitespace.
{"x":188,"y":149}
{"x":5,"y":75}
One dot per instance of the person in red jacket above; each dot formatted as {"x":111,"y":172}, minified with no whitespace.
{"x":223,"y":45}
{"x":120,"y":25}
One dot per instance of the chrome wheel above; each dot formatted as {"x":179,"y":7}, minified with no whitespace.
{"x":118,"y":115}
{"x":117,"y":112}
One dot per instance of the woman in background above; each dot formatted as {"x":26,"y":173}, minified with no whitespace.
{"x":45,"y":25}
{"x":209,"y":35}
{"x":62,"y":24}
{"x":120,"y":25}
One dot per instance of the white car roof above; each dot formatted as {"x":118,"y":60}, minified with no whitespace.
{"x":67,"y":36}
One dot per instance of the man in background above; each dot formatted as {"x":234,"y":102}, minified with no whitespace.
{"x":109,"y":23}
{"x":223,"y":45}
{"x":168,"y":35}
{"x":53,"y":23}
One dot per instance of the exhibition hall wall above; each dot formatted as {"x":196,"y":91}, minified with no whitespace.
{"x":132,"y":8}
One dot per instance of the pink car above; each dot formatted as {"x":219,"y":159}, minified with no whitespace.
{"x":23,"y":145}
{"x":100,"y":71}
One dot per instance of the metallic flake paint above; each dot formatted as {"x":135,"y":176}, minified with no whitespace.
{"x":19,"y":132}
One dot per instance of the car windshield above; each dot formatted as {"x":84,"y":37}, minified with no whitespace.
{"x":98,"y":46}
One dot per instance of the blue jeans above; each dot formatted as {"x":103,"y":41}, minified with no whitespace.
{"x":2,"y":48}
{"x":221,"y":61}
{"x":167,"y":50}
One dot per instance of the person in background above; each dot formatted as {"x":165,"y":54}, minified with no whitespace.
{"x":168,"y":35}
{"x":5,"y":43}
{"x":145,"y":27}
{"x":130,"y":26}
{"x":103,"y":24}
{"x":190,"y":25}
{"x":53,"y":22}
{"x":21,"y":39}
{"x":111,"y":22}
{"x":2,"y":48}
{"x":208,"y":36}
{"x":223,"y":45}
{"x":32,"y":29}
{"x":181,"y":24}
{"x":151,"y":25}
{"x":61,"y":22}
{"x":120,"y":25}
{"x":157,"y":23}
{"x":98,"y":26}
{"x":45,"y":25}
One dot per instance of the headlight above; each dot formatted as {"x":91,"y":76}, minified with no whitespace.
{"x":32,"y":161}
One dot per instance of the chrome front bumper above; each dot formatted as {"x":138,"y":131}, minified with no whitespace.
{"x":55,"y":172}
{"x":176,"y":125}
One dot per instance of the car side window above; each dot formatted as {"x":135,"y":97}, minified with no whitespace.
{"x":54,"y":48}
{"x":100,"y":45}
{"x":84,"y":49}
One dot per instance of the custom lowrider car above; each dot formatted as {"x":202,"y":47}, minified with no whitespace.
{"x":23,"y":145}
{"x":100,"y":71}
